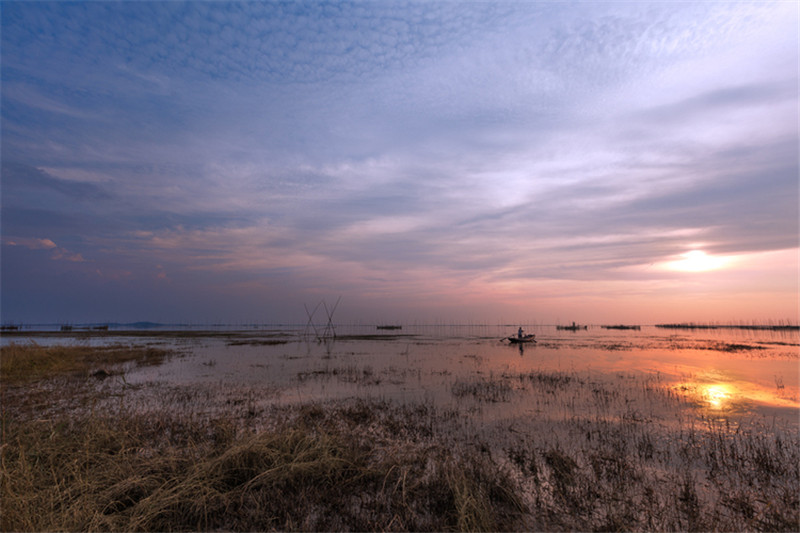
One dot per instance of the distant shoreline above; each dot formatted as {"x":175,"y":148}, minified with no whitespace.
{"x":152,"y":329}
{"x":765,"y":327}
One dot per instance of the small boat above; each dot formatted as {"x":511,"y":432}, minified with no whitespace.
{"x":526,"y":338}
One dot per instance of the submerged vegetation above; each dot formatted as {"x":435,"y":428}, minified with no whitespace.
{"x":588,"y":455}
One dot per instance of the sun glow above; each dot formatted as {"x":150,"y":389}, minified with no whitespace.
{"x":697,"y":261}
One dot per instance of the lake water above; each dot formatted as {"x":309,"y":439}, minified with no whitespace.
{"x":725,"y":373}
{"x":586,"y":422}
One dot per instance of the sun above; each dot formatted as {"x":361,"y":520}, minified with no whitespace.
{"x":697,"y":261}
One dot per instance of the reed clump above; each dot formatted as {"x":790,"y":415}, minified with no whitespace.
{"x":25,"y":363}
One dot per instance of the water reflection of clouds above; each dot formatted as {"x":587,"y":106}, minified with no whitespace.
{"x":425,"y":362}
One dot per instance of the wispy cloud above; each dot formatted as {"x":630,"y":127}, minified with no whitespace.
{"x":448,"y":151}
{"x":32,"y":244}
{"x":56,"y":252}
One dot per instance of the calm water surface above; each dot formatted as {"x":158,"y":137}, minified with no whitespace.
{"x":726,"y":372}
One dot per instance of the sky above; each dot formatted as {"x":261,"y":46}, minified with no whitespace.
{"x":430,"y":161}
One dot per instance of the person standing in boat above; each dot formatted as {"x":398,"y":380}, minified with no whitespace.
{"x":520,"y":333}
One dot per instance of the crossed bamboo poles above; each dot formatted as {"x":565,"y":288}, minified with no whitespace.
{"x":329,"y":331}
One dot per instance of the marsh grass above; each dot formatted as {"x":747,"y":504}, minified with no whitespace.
{"x":346,"y":374}
{"x":620,"y":454}
{"x":622,"y":477}
{"x":631,"y":454}
{"x":733,"y":347}
{"x":24,"y":363}
{"x":491,"y":389}
{"x":257,"y":342}
{"x":338,"y":468}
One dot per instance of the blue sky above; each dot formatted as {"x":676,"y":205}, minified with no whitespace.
{"x":464,"y":161}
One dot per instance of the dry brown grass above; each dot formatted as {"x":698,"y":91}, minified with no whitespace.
{"x":312,"y":471}
{"x":24,"y":363}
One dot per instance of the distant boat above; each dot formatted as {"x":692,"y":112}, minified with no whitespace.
{"x":573,"y":327}
{"x":526,"y":338}
{"x":621,"y":326}
{"x":390,"y":327}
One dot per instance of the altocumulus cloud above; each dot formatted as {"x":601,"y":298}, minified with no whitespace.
{"x":244,"y":157}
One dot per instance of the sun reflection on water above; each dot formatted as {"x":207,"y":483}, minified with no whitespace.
{"x":723,"y":398}
{"x":717,"y":396}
